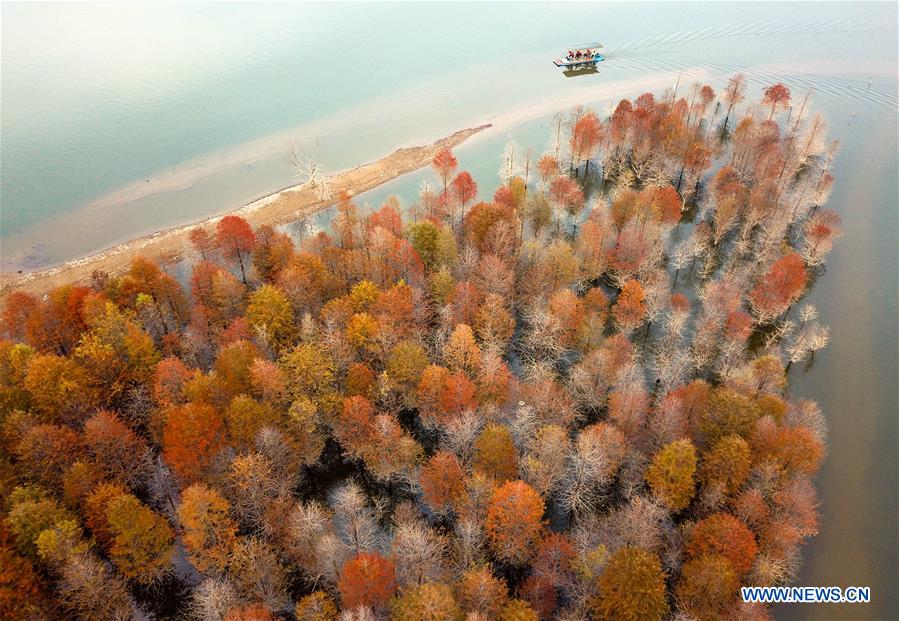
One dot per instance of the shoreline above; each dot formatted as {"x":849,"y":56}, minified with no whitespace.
{"x":290,"y":203}
{"x":279,"y":207}
{"x":27,"y":250}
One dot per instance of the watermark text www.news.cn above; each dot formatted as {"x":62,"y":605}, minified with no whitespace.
{"x":806,"y":595}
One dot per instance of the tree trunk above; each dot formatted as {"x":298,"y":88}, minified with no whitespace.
{"x":727,"y":116}
{"x":243,"y":274}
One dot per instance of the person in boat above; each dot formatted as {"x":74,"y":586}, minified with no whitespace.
{"x":570,"y":55}
{"x":578,"y":55}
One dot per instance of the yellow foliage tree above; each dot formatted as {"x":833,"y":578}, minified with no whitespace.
{"x":672,"y":474}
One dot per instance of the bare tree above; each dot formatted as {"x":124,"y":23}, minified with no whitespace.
{"x":308,"y":171}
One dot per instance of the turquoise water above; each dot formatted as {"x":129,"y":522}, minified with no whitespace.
{"x":118,"y":120}
{"x":123,"y":119}
{"x":96,"y":96}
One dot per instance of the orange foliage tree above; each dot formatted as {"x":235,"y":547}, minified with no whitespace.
{"x":514,"y":522}
{"x":708,"y":585}
{"x":441,"y":481}
{"x":426,"y":602}
{"x":209,"y":532}
{"x":192,"y":437}
{"x":629,"y":310}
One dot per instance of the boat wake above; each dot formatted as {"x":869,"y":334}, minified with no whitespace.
{"x":850,"y":80}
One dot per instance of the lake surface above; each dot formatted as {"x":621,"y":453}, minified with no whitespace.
{"x":119,"y":120}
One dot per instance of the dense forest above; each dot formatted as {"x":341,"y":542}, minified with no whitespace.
{"x":569,"y":401}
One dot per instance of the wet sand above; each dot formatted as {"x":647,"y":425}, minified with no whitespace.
{"x":281,"y":207}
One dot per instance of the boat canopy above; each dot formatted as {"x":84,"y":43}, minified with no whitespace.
{"x":583,"y":46}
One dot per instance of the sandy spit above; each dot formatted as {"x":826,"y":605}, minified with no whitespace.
{"x":287,"y":205}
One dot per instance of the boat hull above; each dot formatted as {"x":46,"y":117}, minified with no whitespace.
{"x":578,"y":64}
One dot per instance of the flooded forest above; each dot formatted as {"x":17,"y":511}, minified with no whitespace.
{"x":568,"y":400}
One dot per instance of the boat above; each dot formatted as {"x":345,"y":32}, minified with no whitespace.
{"x":581,"y":58}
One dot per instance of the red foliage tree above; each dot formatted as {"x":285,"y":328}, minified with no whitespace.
{"x":236,"y":239}
{"x":554,"y":557}
{"x":585,"y":138}
{"x":354,"y":425}
{"x":118,"y":452}
{"x":697,"y":157}
{"x":567,"y":193}
{"x":541,"y":593}
{"x":779,"y":287}
{"x":46,"y":452}
{"x":444,"y":164}
{"x":504,"y":196}
{"x":777,"y":96}
{"x":668,"y":203}
{"x":368,"y":579}
{"x":18,"y":311}
{"x":724,"y":534}
{"x":388,"y":217}
{"x":202,"y":242}
{"x":548,"y":166}
{"x":463,"y":301}
{"x":54,"y":325}
{"x":458,"y":394}
{"x":738,"y":326}
{"x":464,"y":189}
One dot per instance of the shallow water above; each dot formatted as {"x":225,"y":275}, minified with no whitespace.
{"x":118,"y":121}
{"x":98,"y":122}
